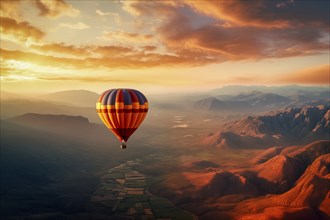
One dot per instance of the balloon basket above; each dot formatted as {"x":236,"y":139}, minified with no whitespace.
{"x":123,"y":145}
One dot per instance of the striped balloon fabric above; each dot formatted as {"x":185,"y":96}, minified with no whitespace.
{"x":122,"y":111}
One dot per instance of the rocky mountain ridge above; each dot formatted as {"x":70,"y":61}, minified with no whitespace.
{"x":285,"y":127}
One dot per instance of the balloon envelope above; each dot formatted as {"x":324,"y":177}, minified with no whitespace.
{"x":122,"y":111}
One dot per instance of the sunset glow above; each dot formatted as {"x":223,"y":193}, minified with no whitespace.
{"x":162,"y":45}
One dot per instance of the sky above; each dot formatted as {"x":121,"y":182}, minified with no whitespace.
{"x":162,"y":46}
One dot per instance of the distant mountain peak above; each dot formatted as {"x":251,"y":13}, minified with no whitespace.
{"x":82,"y":98}
{"x":48,"y":118}
{"x":251,"y":100}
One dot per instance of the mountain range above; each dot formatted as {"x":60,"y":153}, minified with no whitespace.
{"x":307,"y":194}
{"x":243,"y":102}
{"x":293,"y":183}
{"x":272,"y":165}
{"x":281,"y":90}
{"x":279,"y":128}
{"x":228,"y":99}
{"x":16,"y":107}
{"x":257,"y":101}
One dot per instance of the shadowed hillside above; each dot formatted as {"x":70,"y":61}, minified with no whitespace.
{"x":50,"y":165}
{"x":15,"y":107}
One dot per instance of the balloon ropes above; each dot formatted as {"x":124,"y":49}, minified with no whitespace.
{"x":122,"y":111}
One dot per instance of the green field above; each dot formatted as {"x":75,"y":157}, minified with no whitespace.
{"x":125,"y":197}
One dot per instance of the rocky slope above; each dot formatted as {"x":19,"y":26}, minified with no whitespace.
{"x":290,"y":183}
{"x":307,"y":199}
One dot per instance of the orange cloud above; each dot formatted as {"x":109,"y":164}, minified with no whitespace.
{"x":251,"y":30}
{"x":237,"y":43}
{"x":124,"y":60}
{"x":317,"y":75}
{"x":55,"y":8}
{"x":10,"y":9}
{"x":22,"y":31}
{"x":179,"y":38}
{"x":264,"y":14}
{"x":127,"y":36}
{"x":241,"y":13}
{"x":149,"y":48}
{"x":142,"y":8}
{"x":63,"y":50}
{"x":112,"y":51}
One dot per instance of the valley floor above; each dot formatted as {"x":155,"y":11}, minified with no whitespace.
{"x":125,"y":192}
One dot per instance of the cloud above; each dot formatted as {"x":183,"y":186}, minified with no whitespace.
{"x":183,"y":35}
{"x":265,"y":14}
{"x":101,"y":13}
{"x":88,"y":79}
{"x":39,"y":59}
{"x":13,"y":70}
{"x":126,"y":59}
{"x":113,"y":16}
{"x":60,"y":48}
{"x":21,"y":31}
{"x":123,"y":36}
{"x":149,"y":8}
{"x":10,"y":9}
{"x":237,"y":43}
{"x":237,"y":13}
{"x":112,"y":51}
{"x":77,"y":26}
{"x":149,"y":48}
{"x":87,"y":51}
{"x":284,"y":3}
{"x":16,"y":78}
{"x":55,"y":8}
{"x":240,"y":30}
{"x":222,"y":43}
{"x":316,"y":75}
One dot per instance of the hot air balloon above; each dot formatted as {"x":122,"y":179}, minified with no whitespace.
{"x":122,"y":111}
